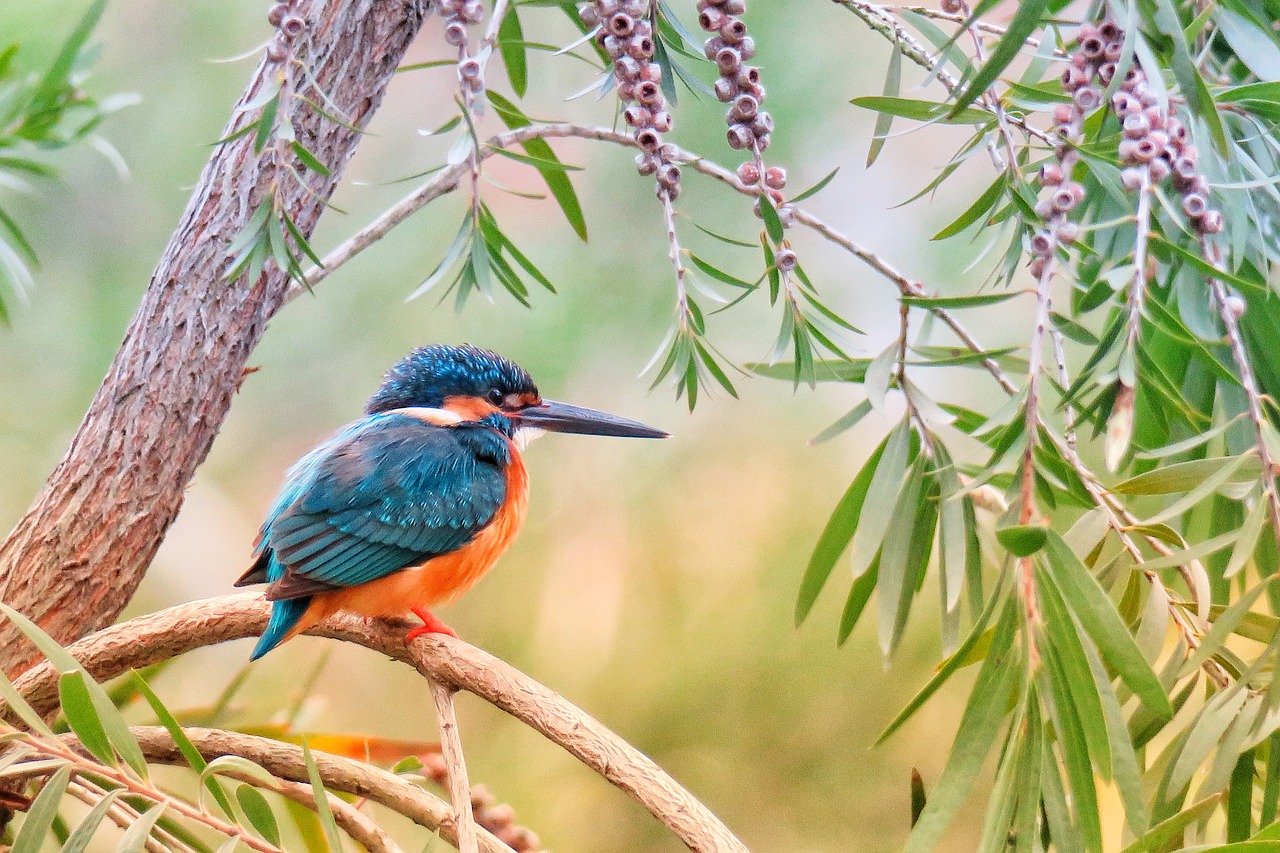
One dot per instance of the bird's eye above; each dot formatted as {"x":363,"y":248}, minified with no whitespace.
{"x":495,"y":396}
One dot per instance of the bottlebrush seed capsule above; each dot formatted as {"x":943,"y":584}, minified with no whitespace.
{"x":1092,"y":47}
{"x":668,"y":152}
{"x":1110,"y":31}
{"x":292,"y":26}
{"x":648,"y":139}
{"x":634,"y":8}
{"x":1044,"y":208}
{"x":739,"y":137}
{"x":748,"y":76}
{"x":588,"y":14}
{"x":626,"y":68}
{"x":645,"y":165}
{"x":725,"y":89}
{"x":775,"y":177}
{"x":1111,"y":52}
{"x":648,"y":93}
{"x":733,"y":31}
{"x":1131,"y":179}
{"x":1063,"y":200}
{"x":1136,"y":125}
{"x":1159,"y":169}
{"x":1087,"y":98}
{"x":1064,"y":114}
{"x":472,"y":11}
{"x":669,"y":174}
{"x":749,"y":174}
{"x":455,"y":33}
{"x":787,"y":214}
{"x":1037,"y":266}
{"x":762,"y":124}
{"x":622,"y":25}
{"x":608,"y":7}
{"x":711,"y":20}
{"x":276,"y":14}
{"x":1235,"y":305}
{"x":747,"y":47}
{"x":661,"y":121}
{"x":1073,"y":78}
{"x":651,"y":71}
{"x":1194,"y":205}
{"x":745,"y":108}
{"x":640,"y":47}
{"x":1050,"y":174}
{"x":636,"y":116}
{"x":952,"y":7}
{"x":1067,"y":232}
{"x":785,"y":260}
{"x":712,"y":46}
{"x":1184,"y":167}
{"x":1211,"y":223}
{"x":735,"y":7}
{"x":1107,"y":72}
{"x":1041,"y":243}
{"x":728,"y":60}
{"x":1078,"y":60}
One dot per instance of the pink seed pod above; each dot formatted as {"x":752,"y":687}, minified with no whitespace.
{"x":1155,"y":117}
{"x":1147,"y":148}
{"x":1050,"y":174}
{"x":1087,"y":98}
{"x":1145,"y":94}
{"x":1235,"y":305}
{"x":756,"y":91}
{"x":762,"y":142}
{"x":276,"y":14}
{"x":608,"y":7}
{"x":1111,"y":52}
{"x":775,"y":177}
{"x":785,"y":260}
{"x":1136,"y":125}
{"x":1067,"y":232}
{"x":734,"y":7}
{"x":728,"y":60}
{"x":1091,"y":46}
{"x":749,"y":173}
{"x":1194,"y":205}
{"x":668,"y":152}
{"x":1088,"y":29}
{"x":588,"y":14}
{"x":646,"y":165}
{"x":1073,"y":78}
{"x":648,"y":93}
{"x":748,"y":76}
{"x":1107,"y":72}
{"x":626,"y":91}
{"x":725,"y":89}
{"x":733,"y":31}
{"x":745,"y":108}
{"x":455,"y":33}
{"x":669,"y":174}
{"x":952,"y":7}
{"x":747,"y":47}
{"x":787,"y":214}
{"x":712,"y":46}
{"x":640,"y":48}
{"x":1131,"y":179}
{"x":1177,"y":132}
{"x":648,"y":139}
{"x":1159,"y":169}
{"x":1110,"y":31}
{"x":1079,"y":60}
{"x":652,"y":71}
{"x":1044,"y":208}
{"x":1210,"y":223}
{"x":739,"y":137}
{"x":635,"y":8}
{"x":1067,"y":196}
{"x":1128,"y":150}
{"x":643,"y":27}
{"x":1185,"y":167}
{"x":626,"y":68}
{"x":614,"y":46}
{"x":622,"y":25}
{"x":711,"y":19}
{"x":661,"y":121}
{"x":469,"y":69}
{"x":1041,"y":243}
{"x":762,"y":124}
{"x":1037,"y":266}
{"x":1064,"y":114}
{"x":636,"y":116}
{"x":472,"y":11}
{"x":1124,"y":103}
{"x":671,"y":192}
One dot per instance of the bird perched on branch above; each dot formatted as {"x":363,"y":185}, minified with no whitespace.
{"x":410,"y":505}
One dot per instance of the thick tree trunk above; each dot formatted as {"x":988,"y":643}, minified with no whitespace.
{"x":76,"y":557}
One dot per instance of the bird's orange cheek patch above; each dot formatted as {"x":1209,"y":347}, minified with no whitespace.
{"x":469,"y":408}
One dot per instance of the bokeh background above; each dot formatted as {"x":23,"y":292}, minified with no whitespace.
{"x":654,"y":582}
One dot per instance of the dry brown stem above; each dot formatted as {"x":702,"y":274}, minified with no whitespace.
{"x":177,"y":630}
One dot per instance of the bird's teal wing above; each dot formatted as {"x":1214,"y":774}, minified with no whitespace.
{"x":389,"y":492}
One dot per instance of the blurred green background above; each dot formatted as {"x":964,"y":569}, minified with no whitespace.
{"x":654,"y":582}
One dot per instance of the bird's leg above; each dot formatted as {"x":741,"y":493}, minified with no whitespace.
{"x":430,"y":625}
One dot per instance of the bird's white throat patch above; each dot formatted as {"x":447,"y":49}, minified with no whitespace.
{"x":524,"y":435}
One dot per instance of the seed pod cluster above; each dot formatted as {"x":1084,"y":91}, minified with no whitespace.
{"x":626,"y":34}
{"x":497,"y":818}
{"x":289,"y":26}
{"x":731,"y":47}
{"x":457,"y":14}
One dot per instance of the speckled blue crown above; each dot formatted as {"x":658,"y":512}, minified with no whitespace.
{"x":426,"y":376}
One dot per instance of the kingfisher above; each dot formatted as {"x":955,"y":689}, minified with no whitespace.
{"x":410,"y":505}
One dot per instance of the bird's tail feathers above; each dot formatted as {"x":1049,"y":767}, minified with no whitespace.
{"x":285,"y":615}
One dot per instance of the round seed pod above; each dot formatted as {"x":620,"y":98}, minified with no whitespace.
{"x":1124,"y":103}
{"x":1136,"y":125}
{"x":608,"y":7}
{"x":1067,"y":196}
{"x":651,"y":71}
{"x":1177,"y":132}
{"x":749,"y":173}
{"x":775,"y":177}
{"x":1091,"y":46}
{"x":622,"y":25}
{"x":455,"y":33}
{"x":748,"y":76}
{"x":277,"y":51}
{"x":626,"y":91}
{"x":1155,"y":117}
{"x":1051,"y":174}
{"x":711,"y":19}
{"x":747,"y":47}
{"x":745,"y":108}
{"x":1131,"y":179}
{"x":1037,"y":266}
{"x":1111,"y":52}
{"x":1132,"y":78}
{"x":712,"y":46}
{"x":588,"y":14}
{"x":1087,"y":98}
{"x":1041,"y":243}
{"x":637,"y":116}
{"x":1145,"y":94}
{"x":733,"y":31}
{"x":634,"y":8}
{"x":725,"y":89}
{"x":661,"y":121}
{"x":668,"y":152}
{"x":1110,"y":32}
{"x":739,"y":137}
{"x":1064,"y":114}
{"x":1235,"y":305}
{"x":952,"y":7}
{"x":648,"y":139}
{"x":728,"y":60}
{"x":276,"y":13}
{"x":648,"y":93}
{"x":640,"y":47}
{"x":292,"y":26}
{"x":735,"y":7}
{"x":1073,"y":78}
{"x":669,"y":174}
{"x":1185,"y":167}
{"x":614,"y":46}
{"x":787,"y":215}
{"x":1107,"y":72}
{"x":1044,"y":208}
{"x":1210,"y":223}
{"x":1067,"y":232}
{"x":1087,"y":30}
{"x":626,"y":68}
{"x":762,"y":142}
{"x":669,"y":192}
{"x":785,"y":260}
{"x":1194,"y":205}
{"x":1128,"y":150}
{"x":469,"y":69}
{"x":643,"y":27}
{"x":1159,"y":169}
{"x":762,"y":124}
{"x":1078,"y":60}
{"x":1147,"y":148}
{"x":646,"y":165}
{"x":472,"y":11}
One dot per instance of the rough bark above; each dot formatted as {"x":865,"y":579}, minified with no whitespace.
{"x":76,"y":557}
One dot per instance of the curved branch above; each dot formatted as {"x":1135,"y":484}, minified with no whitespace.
{"x":177,"y":630}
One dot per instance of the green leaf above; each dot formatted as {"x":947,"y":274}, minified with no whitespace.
{"x":922,"y":110}
{"x":1169,"y":831}
{"x":845,"y":422}
{"x":1090,"y":604}
{"x":308,"y":159}
{"x":1022,"y":540}
{"x":1255,"y":47}
{"x":58,"y":77}
{"x":719,"y":274}
{"x":258,"y":811}
{"x":73,"y":693}
{"x":557,"y":181}
{"x":18,"y":705}
{"x":857,"y":599}
{"x":79,"y":840}
{"x":812,"y":191}
{"x":882,"y":494}
{"x":916,"y":510}
{"x":537,"y":162}
{"x":772,"y":224}
{"x":884,"y":121}
{"x":1025,"y":21}
{"x":40,"y":817}
{"x":135,"y":837}
{"x":1187,"y":476}
{"x":1001,"y":673}
{"x":184,"y":744}
{"x":322,"y":801}
{"x":512,"y":47}
{"x":976,"y":301}
{"x":989,"y":199}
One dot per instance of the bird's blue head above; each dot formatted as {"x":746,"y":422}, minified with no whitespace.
{"x":482,"y":386}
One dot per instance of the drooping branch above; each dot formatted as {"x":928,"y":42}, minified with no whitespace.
{"x":177,"y":630}
{"x":75,"y":558}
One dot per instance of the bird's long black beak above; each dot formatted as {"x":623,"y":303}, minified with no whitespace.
{"x":561,"y":417}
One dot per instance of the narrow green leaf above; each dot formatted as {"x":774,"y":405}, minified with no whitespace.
{"x":1187,"y":476}
{"x":857,"y":599}
{"x":1022,"y":540}
{"x":1169,"y":831}
{"x":539,"y":163}
{"x":184,"y":744}
{"x":845,"y":422}
{"x":322,"y":801}
{"x":511,"y":45}
{"x":258,"y":811}
{"x":35,"y":828}
{"x":897,"y":583}
{"x":1025,"y":21}
{"x":58,"y":77}
{"x":985,"y":202}
{"x":309,"y":160}
{"x":882,"y":494}
{"x":813,"y":190}
{"x":79,"y":840}
{"x":557,"y":182}
{"x":135,"y":837}
{"x":884,"y":120}
{"x":772,"y":224}
{"x":73,"y":693}
{"x":1090,"y":604}
{"x":922,"y":110}
{"x":976,"y":301}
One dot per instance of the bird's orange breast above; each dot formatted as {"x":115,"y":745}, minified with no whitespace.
{"x":441,"y":579}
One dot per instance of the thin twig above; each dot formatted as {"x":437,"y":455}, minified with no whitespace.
{"x":455,"y":761}
{"x":960,"y":18}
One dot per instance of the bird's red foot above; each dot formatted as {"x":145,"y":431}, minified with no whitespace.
{"x":430,"y":625}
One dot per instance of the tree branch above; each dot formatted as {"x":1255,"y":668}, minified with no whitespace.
{"x":177,"y":630}
{"x":76,"y":557}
